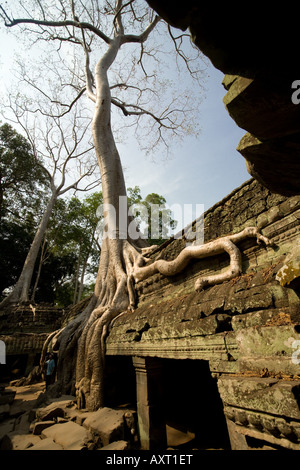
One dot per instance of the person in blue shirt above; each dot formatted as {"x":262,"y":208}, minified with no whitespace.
{"x":50,"y":363}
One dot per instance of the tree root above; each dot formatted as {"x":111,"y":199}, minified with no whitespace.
{"x":121,"y":267}
{"x":227,"y":244}
{"x":117,"y":295}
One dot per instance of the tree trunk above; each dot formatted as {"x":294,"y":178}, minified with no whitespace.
{"x":111,"y":284}
{"x":81,"y":284}
{"x":113,"y":290}
{"x":42,"y":259}
{"x":77,"y":275}
{"x":21,"y":290}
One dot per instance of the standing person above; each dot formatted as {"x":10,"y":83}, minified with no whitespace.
{"x":50,"y":370}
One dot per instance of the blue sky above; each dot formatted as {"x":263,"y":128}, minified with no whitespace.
{"x":202,"y":170}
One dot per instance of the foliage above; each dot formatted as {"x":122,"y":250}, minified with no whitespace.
{"x":15,"y":240}
{"x":70,"y":248}
{"x":22,"y":177}
{"x":70,"y":253}
{"x":152,"y":215}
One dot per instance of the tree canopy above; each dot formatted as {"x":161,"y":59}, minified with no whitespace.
{"x":22,"y":176}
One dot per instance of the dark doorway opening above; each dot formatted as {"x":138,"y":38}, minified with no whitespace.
{"x":14,"y":368}
{"x":193,"y":408}
{"x":120,"y":382}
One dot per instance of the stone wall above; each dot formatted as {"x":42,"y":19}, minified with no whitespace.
{"x":247,"y":329}
{"x":24,"y":331}
{"x":28,"y":318}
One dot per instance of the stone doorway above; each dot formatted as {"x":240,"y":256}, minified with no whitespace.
{"x":193,"y":408}
{"x":179,"y":405}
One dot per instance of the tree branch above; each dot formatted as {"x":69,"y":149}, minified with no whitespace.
{"x":139,"y":111}
{"x":69,"y":106}
{"x":181,"y":54}
{"x":144,"y":36}
{"x":77,"y":24}
{"x":88,"y":73}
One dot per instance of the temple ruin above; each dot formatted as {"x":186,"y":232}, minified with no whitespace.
{"x":220,"y":366}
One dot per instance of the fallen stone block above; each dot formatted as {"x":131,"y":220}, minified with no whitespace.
{"x":109,"y":424}
{"x":54,"y":410}
{"x":14,"y":441}
{"x":69,"y":435}
{"x":61,"y":420}
{"x":78,"y":416}
{"x":117,"y":445}
{"x":45,"y":444}
{"x":38,"y":427}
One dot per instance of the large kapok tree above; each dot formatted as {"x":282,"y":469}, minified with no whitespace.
{"x":106,"y":31}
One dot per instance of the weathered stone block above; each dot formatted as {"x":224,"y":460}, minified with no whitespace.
{"x":254,"y":319}
{"x":46,"y":444}
{"x":267,"y":341}
{"x":269,"y":395}
{"x":16,"y":441}
{"x":109,"y":424}
{"x":54,"y":410}
{"x":273,"y":163}
{"x":38,"y":427}
{"x":289,"y":274}
{"x":117,"y":445}
{"x":263,"y":107}
{"x":255,"y":298}
{"x":69,"y":435}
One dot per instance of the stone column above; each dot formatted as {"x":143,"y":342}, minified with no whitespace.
{"x":151,"y":420}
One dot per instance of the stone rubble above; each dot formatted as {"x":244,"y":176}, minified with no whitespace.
{"x":37,"y":422}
